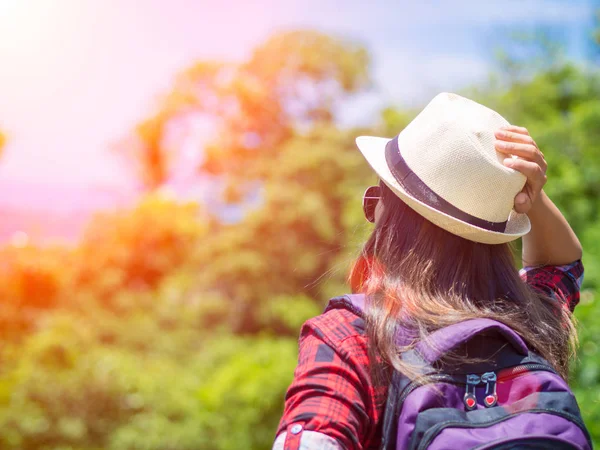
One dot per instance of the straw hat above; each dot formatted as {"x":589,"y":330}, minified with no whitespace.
{"x":445,"y":167}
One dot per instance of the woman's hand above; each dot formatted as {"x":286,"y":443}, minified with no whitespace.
{"x":513,"y":140}
{"x":551,"y":239}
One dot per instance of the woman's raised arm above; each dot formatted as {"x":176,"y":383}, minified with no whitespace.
{"x":551,"y":240}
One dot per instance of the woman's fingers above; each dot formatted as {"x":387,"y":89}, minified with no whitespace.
{"x":534,"y":173}
{"x":511,"y":136}
{"x":515,"y":141}
{"x":536,"y":178}
{"x":516,"y":129}
{"x":523,"y":202}
{"x":512,"y":148}
{"x":524,"y":151}
{"x":520,"y":144}
{"x":514,"y":134}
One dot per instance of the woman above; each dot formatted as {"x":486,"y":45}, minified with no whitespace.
{"x":457,"y":185}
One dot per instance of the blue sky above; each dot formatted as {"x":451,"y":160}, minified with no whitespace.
{"x":75,"y":76}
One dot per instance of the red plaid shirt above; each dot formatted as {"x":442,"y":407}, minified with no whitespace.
{"x":332,"y":393}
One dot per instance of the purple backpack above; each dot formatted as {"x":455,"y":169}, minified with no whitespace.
{"x":511,"y":398}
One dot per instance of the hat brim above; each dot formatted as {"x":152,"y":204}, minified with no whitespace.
{"x":373,"y":149}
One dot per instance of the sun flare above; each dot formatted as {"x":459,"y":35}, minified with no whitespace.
{"x":8,"y":6}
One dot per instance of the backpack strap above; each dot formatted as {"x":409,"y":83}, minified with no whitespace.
{"x":352,"y":302}
{"x":356,"y":304}
{"x":391,"y":411}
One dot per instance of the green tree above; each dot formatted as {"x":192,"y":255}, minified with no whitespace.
{"x":295,"y":78}
{"x":276,"y":141}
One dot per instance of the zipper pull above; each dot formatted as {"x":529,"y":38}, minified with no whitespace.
{"x":491,"y":398}
{"x":469,"y":399}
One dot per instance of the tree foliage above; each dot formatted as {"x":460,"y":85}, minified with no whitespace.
{"x":294,"y":79}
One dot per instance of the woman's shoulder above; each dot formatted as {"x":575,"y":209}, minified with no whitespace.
{"x":337,"y":323}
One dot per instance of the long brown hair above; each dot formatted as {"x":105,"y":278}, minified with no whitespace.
{"x":420,"y":276}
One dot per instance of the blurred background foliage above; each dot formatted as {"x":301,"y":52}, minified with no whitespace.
{"x":170,"y":328}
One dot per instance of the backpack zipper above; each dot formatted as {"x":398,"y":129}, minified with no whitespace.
{"x":435,"y":430}
{"x":526,"y":439}
{"x":491,"y":397}
{"x":470,"y":400}
{"x":511,"y":373}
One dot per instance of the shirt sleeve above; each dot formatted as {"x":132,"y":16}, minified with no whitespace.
{"x":327,"y":395}
{"x":562,"y":283}
{"x":311,"y":440}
